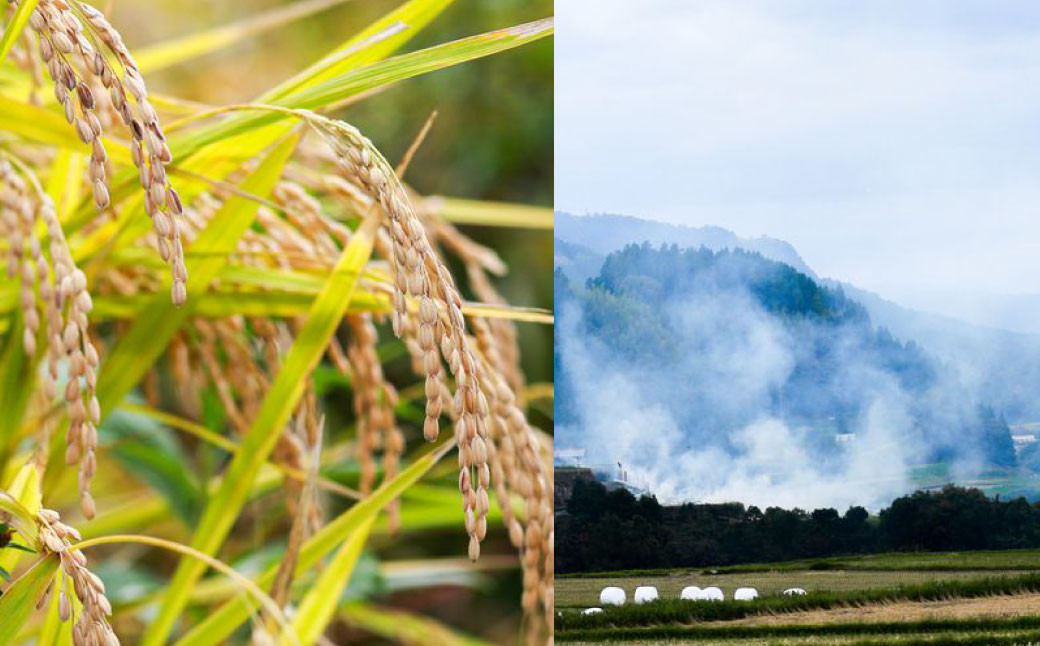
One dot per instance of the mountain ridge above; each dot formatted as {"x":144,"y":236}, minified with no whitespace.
{"x":613,"y":232}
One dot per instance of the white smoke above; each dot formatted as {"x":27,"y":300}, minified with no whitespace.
{"x":742,"y":355}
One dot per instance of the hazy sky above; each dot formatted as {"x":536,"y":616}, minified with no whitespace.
{"x":895,"y":144}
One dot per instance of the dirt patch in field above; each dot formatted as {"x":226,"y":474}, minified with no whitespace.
{"x":1010,"y":606}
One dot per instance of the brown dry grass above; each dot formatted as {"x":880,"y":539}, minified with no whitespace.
{"x":990,"y":607}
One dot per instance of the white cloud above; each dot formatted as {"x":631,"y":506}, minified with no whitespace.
{"x":893,"y":143}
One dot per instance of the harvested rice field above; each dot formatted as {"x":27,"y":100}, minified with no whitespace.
{"x":872,"y":602}
{"x":585,"y":592}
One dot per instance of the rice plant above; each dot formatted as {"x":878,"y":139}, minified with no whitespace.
{"x":239,"y":352}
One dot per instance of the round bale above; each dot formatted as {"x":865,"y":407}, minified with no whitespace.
{"x":612,"y":596}
{"x":690,"y":593}
{"x":712,"y":594}
{"x":745,"y":594}
{"x":645,"y":594}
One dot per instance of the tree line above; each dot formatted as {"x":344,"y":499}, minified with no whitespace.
{"x":604,"y":530}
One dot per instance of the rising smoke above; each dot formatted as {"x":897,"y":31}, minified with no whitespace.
{"x":704,"y":425}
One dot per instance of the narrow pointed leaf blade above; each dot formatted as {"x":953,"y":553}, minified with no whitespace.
{"x":19,"y":600}
{"x":180,"y":50}
{"x":14,"y":30}
{"x":279,"y":402}
{"x":319,"y":604}
{"x":221,"y":623}
{"x":367,"y":78}
{"x":413,"y":16}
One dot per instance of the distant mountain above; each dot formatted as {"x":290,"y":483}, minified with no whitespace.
{"x":1018,"y":312}
{"x":606,"y":233}
{"x":1001,"y":365}
{"x":578,"y":262}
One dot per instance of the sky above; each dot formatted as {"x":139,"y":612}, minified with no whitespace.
{"x":895,"y":144}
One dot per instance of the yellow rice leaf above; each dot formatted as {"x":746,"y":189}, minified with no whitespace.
{"x":220,"y":623}
{"x":179,"y":50}
{"x":19,"y":600}
{"x":318,"y":606}
{"x":284,"y":393}
{"x":491,"y":214}
{"x":14,"y":29}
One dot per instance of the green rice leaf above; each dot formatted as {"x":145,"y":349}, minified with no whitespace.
{"x":417,"y":63}
{"x":411,"y":17}
{"x":404,"y":627}
{"x":51,"y":633}
{"x":319,"y":604}
{"x":14,"y":387}
{"x":221,"y":623}
{"x":367,"y":78}
{"x":14,"y":30}
{"x":19,"y":600}
{"x":279,"y":402}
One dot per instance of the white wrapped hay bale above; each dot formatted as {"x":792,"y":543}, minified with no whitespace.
{"x":712,"y":594}
{"x":690,"y":593}
{"x":592,"y":611}
{"x":794,"y":592}
{"x":611,"y":596}
{"x":645,"y":594}
{"x":745,"y":594}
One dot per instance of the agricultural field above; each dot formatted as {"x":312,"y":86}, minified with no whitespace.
{"x":584,"y":593}
{"x":1016,"y":560}
{"x":1003,"y":481}
{"x":942,"y":598}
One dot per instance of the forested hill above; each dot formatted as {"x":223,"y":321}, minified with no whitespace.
{"x":649,"y":274}
{"x":715,"y":341}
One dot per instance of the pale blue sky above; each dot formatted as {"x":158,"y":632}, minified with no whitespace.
{"x":895,"y":144}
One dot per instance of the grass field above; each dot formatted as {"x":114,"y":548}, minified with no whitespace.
{"x":942,"y":598}
{"x":1017,"y":560}
{"x":1022,"y":560}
